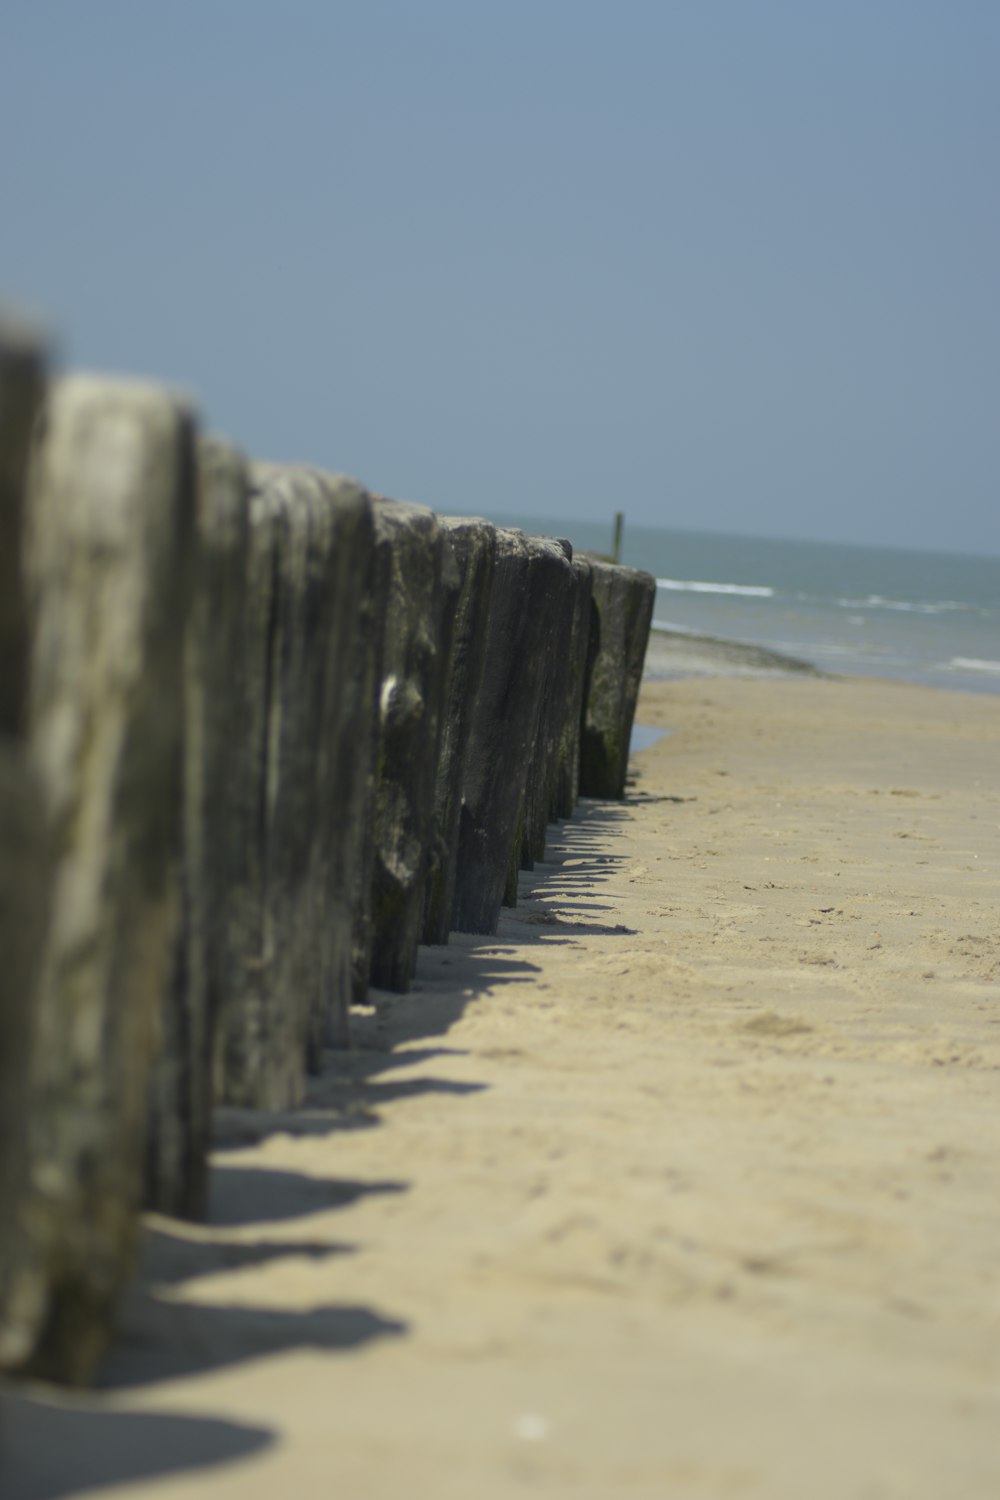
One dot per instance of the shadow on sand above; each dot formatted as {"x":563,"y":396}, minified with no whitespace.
{"x":53,"y":1444}
{"x":57,"y":1444}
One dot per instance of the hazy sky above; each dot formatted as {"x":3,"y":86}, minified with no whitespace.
{"x":723,"y":264}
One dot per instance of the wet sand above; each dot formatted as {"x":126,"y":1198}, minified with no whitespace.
{"x":675,"y":653}
{"x":683,"y":1185}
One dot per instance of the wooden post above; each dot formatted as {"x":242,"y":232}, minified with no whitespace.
{"x":616,"y":548}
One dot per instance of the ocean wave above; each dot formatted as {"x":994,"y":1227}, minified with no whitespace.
{"x":695,"y":586}
{"x":906,"y":606}
{"x":671,"y":628}
{"x":974,"y":664}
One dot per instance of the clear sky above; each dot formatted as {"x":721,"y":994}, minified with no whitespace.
{"x":723,"y":264}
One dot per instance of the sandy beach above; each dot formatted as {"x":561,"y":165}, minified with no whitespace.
{"x":685,"y":1184}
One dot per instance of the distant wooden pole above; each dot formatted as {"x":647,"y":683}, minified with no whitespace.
{"x":616,"y":549}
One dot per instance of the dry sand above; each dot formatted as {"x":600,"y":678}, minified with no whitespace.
{"x":684,"y":1185}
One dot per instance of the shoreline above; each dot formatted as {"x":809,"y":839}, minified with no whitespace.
{"x":674,"y":654}
{"x":680,"y":1183}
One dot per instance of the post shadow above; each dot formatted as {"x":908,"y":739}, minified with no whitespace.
{"x":261,"y":1195}
{"x":169,"y":1340}
{"x":54,"y":1447}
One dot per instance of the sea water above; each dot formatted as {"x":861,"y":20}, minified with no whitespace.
{"x":925,"y":617}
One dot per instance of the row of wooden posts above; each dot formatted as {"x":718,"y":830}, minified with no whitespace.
{"x":262,"y":733}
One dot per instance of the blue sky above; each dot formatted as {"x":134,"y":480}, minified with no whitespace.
{"x":723,"y":264}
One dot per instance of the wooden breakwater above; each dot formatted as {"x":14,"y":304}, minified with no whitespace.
{"x":262,"y":733}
